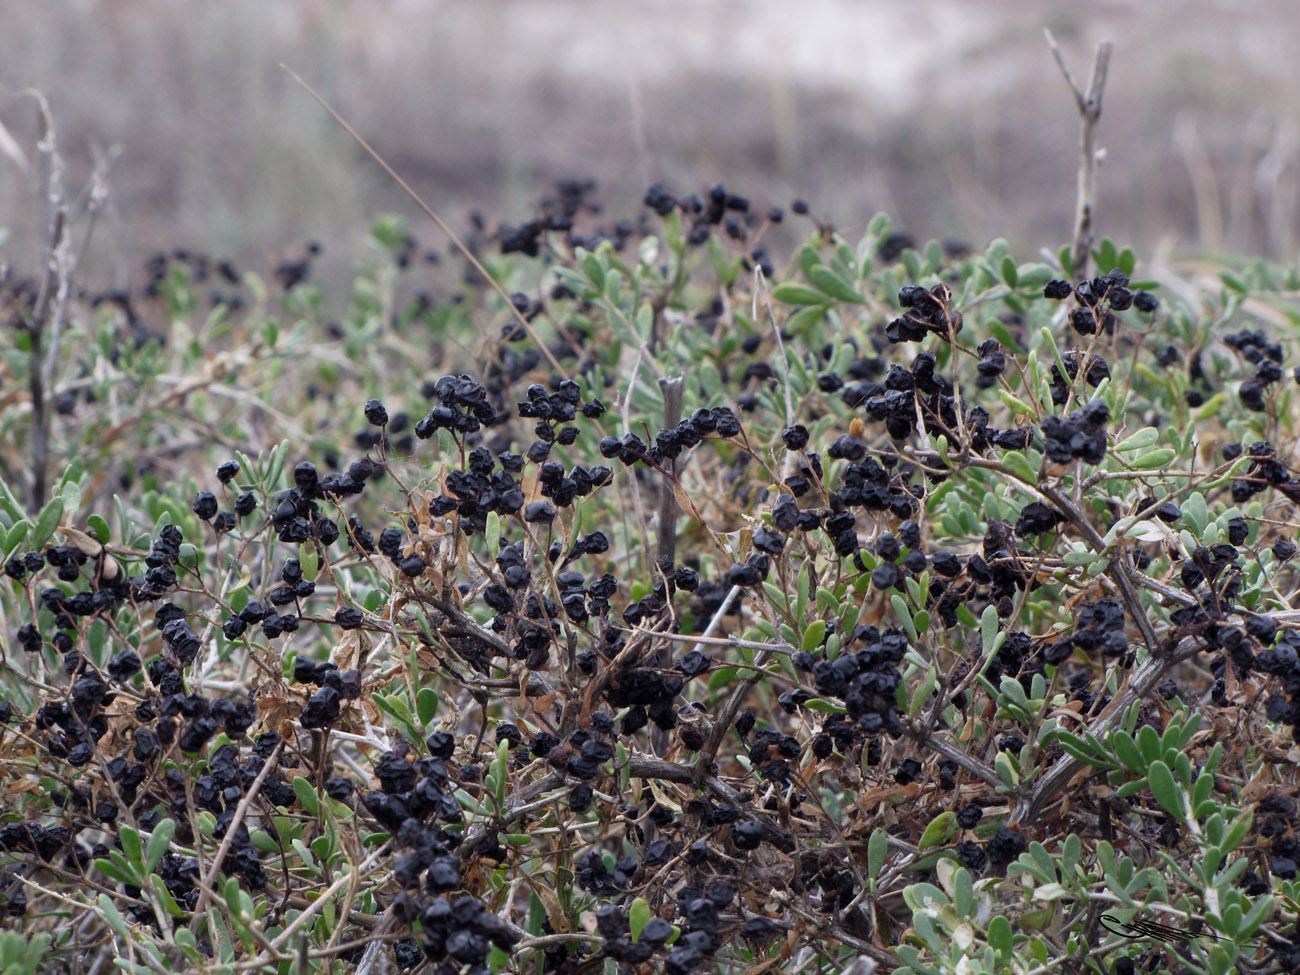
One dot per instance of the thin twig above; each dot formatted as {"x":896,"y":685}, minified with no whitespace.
{"x":1089,"y":106}
{"x":51,"y":299}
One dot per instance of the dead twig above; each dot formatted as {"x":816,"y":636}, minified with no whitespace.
{"x":1089,"y":106}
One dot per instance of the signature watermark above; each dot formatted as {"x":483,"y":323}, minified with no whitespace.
{"x":1153,"y":930}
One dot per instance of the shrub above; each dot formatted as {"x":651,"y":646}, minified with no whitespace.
{"x":663,"y":605}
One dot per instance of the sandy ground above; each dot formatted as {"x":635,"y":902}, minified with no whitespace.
{"x":951,"y":115}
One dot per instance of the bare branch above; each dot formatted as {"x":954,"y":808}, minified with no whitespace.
{"x":1088,"y":104}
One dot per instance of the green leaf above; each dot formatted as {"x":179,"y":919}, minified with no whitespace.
{"x":904,"y":615}
{"x":16,"y":535}
{"x":46,"y":522}
{"x":1139,"y":440}
{"x":1011,"y":690}
{"x":426,"y":704}
{"x":877,"y":849}
{"x":812,"y":637}
{"x":164,"y":896}
{"x":160,"y":841}
{"x":132,"y":848}
{"x":989,"y":628}
{"x":824,"y":279}
{"x":115,"y":921}
{"x":1126,"y":261}
{"x":1127,"y":751}
{"x":939,"y":830}
{"x":921,"y":622}
{"x":309,"y":559}
{"x":797,"y":294}
{"x":1006,"y":769}
{"x":501,"y":769}
{"x":595,"y":273}
{"x":1237,"y":831}
{"x":1073,"y":747}
{"x":1009,"y":273}
{"x":1000,"y":935}
{"x":823,"y":705}
{"x":1015,"y":405}
{"x":805,"y":318}
{"x":1154,"y":459}
{"x":99,"y":528}
{"x":306,"y":793}
{"x":1018,"y":465}
{"x":1166,"y":791}
{"x":492,"y":534}
{"x":111,"y":870}
{"x":1149,"y":742}
{"x":923,"y":690}
{"x":638,"y":916}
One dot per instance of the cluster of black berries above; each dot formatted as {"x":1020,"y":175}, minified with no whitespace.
{"x":199,"y":268}
{"x":463,"y":408}
{"x":1265,"y":356}
{"x":1037,"y":518}
{"x":1278,"y":813}
{"x":928,"y":311}
{"x":716,"y":206}
{"x":415,"y":796}
{"x":1002,"y":848}
{"x":721,"y":421}
{"x":649,"y":691}
{"x":459,"y":931}
{"x":865,"y":679}
{"x":163,"y":556}
{"x":1082,"y":434}
{"x":699,"y":937}
{"x":1207,"y":565}
{"x":139,"y":780}
{"x":335,"y":686}
{"x":1097,"y":370}
{"x":1099,"y":298}
{"x":558,"y":214}
{"x":1265,"y":471}
{"x":295,"y":271}
{"x":1100,"y":626}
{"x":297,"y":517}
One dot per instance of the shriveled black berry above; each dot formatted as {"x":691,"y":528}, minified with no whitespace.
{"x":795,"y":437}
{"x":971,"y":855}
{"x":376,"y":415}
{"x":747,"y":834}
{"x":205,"y":505}
{"x":348,"y":618}
{"x":1145,"y":301}
{"x":539,"y":512}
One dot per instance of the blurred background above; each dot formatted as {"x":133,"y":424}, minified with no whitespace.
{"x":949,"y":114}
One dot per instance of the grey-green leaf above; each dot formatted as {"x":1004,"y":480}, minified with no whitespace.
{"x":1166,"y":790}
